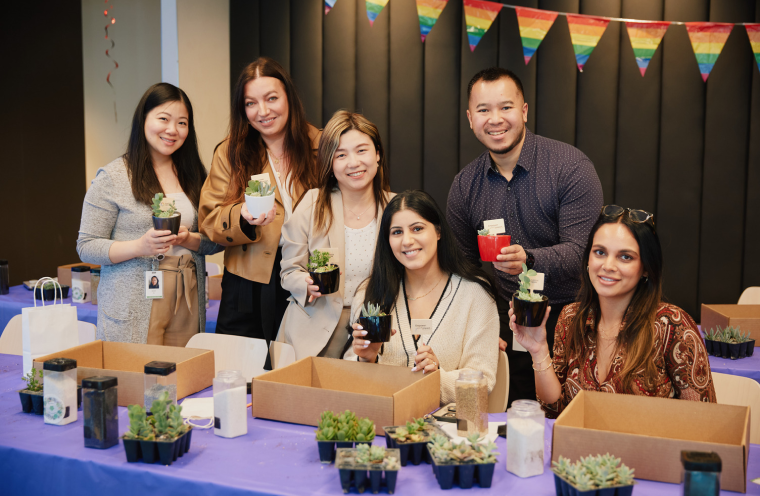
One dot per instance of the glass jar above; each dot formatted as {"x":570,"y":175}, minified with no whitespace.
{"x":701,"y":473}
{"x":230,"y":410}
{"x":101,"y":418}
{"x":472,"y":403}
{"x":80,"y":284}
{"x":525,"y":438}
{"x":160,"y":377}
{"x":60,"y":391}
{"x":94,"y":281}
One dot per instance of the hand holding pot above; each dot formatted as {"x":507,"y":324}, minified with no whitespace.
{"x":532,"y":339}
{"x":511,"y":259}
{"x":156,"y":242}
{"x":363,"y":348}
{"x":425,"y":360}
{"x":312,"y":289}
{"x":262,"y":220}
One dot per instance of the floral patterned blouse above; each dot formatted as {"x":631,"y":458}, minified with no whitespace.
{"x":683,"y":370}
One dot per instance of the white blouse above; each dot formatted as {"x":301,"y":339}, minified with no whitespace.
{"x":186,"y":209}
{"x":287,"y":200}
{"x":360,"y":248}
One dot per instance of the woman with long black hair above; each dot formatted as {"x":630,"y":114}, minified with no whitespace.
{"x":419,"y":273}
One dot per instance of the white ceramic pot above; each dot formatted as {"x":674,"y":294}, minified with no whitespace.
{"x":258,"y":205}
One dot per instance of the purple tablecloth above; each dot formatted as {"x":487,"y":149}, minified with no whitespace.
{"x":20,"y":297}
{"x":745,"y":367}
{"x":273,"y":458}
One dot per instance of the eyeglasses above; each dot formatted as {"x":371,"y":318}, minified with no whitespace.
{"x":638,"y":216}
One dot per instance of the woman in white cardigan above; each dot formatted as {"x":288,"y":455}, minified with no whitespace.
{"x":419,"y":273}
{"x":340,"y":218}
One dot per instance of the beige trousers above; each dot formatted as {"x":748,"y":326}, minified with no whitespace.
{"x":334,"y":347}
{"x":174,"y":318}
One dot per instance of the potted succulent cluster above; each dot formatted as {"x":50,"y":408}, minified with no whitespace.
{"x":376,"y":322}
{"x":342,"y":430}
{"x":31,"y":396}
{"x":730,"y":342}
{"x":490,"y":245}
{"x":463,"y":463}
{"x":259,"y":197}
{"x":326,"y":275}
{"x":601,"y":475}
{"x":411,"y":439}
{"x":163,"y":436}
{"x":48,"y":291}
{"x":529,"y":307}
{"x":165,"y":215}
{"x":368,"y":463}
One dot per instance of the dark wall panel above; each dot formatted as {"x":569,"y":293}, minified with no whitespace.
{"x":751,"y":275}
{"x":511,"y":56}
{"x":405,"y":96}
{"x":306,"y":55}
{"x":274,"y":30}
{"x":373,"y":67}
{"x":244,"y":45}
{"x":339,"y":56}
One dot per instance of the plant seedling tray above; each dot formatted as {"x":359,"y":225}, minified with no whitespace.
{"x":412,"y":452}
{"x":164,"y":451}
{"x":464,"y":474}
{"x":565,"y":488}
{"x":734,"y":351}
{"x":32,"y":402}
{"x":358,"y":476}
{"x":327,"y":449}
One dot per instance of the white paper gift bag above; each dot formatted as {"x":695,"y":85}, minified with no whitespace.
{"x":48,"y":328}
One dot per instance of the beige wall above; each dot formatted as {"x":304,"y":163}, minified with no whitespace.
{"x":137,"y":34}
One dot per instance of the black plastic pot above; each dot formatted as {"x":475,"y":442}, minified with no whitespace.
{"x":743,"y":350}
{"x":132,"y":449}
{"x":326,"y":451}
{"x":362,"y":477}
{"x":408,"y":452}
{"x":724,"y":350}
{"x":79,"y":397}
{"x":31,"y":401}
{"x":378,"y":328}
{"x":564,"y":488}
{"x":150,"y":451}
{"x":167,"y":223}
{"x":464,"y":474}
{"x":49,"y":294}
{"x":328,"y":282}
{"x":750,"y":347}
{"x":529,"y":313}
{"x":733,"y":350}
{"x":709,"y":346}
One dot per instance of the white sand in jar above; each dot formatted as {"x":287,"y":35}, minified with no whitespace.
{"x":525,"y":447}
{"x":60,"y":393}
{"x":231,"y":411}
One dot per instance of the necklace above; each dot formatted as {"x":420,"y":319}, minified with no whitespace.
{"x":418,"y":297}
{"x":359,"y":216}
{"x":276,"y":162}
{"x":605,"y":335}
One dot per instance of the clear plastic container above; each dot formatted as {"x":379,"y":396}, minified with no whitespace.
{"x":160,"y":377}
{"x":94,"y":281}
{"x":100,"y":405}
{"x":701,"y":473}
{"x":525,"y":438}
{"x":80,"y":284}
{"x":60,"y":391}
{"x":230,"y":411}
{"x":472,"y":403}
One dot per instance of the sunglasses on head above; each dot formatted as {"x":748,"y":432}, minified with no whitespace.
{"x":638,"y":216}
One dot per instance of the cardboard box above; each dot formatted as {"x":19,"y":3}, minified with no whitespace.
{"x":64,"y":272}
{"x":126,"y":362}
{"x":215,"y":287}
{"x":386,"y":394}
{"x":648,"y":434}
{"x":745,"y":316}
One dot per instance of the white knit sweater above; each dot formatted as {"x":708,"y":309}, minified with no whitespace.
{"x":466,"y":336}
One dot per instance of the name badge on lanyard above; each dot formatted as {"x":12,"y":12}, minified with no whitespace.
{"x":154,"y":284}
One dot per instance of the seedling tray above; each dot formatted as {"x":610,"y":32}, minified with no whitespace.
{"x":734,"y":351}
{"x":31,"y":402}
{"x":412,"y":452}
{"x":164,"y":451}
{"x":327,"y":449}
{"x":565,"y":488}
{"x":464,"y":475}
{"x":360,"y":476}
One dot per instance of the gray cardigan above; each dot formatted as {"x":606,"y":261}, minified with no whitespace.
{"x":110,"y":213}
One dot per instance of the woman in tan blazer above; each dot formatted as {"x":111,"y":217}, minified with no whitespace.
{"x":340,"y":217}
{"x":269,"y":135}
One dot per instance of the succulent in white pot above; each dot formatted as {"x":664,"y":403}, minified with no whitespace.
{"x":259,"y":197}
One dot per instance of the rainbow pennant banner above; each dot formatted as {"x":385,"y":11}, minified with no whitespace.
{"x":534,"y":24}
{"x":645,"y":38}
{"x":329,"y":4}
{"x":374,"y":7}
{"x":753,"y":31}
{"x":478,"y":17}
{"x":429,"y":11}
{"x":708,"y":40}
{"x":585,"y":32}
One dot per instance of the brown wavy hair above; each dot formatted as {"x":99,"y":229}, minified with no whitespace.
{"x":637,"y":338}
{"x":246,"y":151}
{"x":340,"y":123}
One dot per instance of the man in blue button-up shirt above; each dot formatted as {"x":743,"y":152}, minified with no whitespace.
{"x":547,"y":193}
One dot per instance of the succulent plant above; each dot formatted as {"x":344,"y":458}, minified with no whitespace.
{"x":139,"y":427}
{"x":32,"y":383}
{"x":594,"y":472}
{"x":372,"y":311}
{"x":162,"y":206}
{"x":177,"y":425}
{"x":160,"y":417}
{"x":484,"y":232}
{"x":391,"y":463}
{"x":624,"y":476}
{"x":319,"y":261}
{"x":560,"y":467}
{"x":525,"y":293}
{"x":259,"y":188}
{"x":365,"y":430}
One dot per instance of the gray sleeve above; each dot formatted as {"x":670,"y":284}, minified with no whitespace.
{"x":208,"y":247}
{"x":99,"y":214}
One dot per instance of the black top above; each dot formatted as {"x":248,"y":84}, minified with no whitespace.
{"x":60,"y":364}
{"x":160,"y":368}
{"x":700,"y":461}
{"x":80,"y":268}
{"x":100,"y":383}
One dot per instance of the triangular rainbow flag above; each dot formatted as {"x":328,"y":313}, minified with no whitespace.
{"x":329,"y":4}
{"x":645,"y":38}
{"x":753,"y":30}
{"x":585,"y":32}
{"x":478,"y":16}
{"x":708,"y":40}
{"x":534,"y":24}
{"x":429,"y":11}
{"x":374,"y":7}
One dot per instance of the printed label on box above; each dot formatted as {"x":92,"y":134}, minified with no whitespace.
{"x":537,"y":282}
{"x":423,"y":327}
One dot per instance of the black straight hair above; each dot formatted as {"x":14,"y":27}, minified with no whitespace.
{"x":187,"y":162}
{"x":494,"y":74}
{"x":384,"y":282}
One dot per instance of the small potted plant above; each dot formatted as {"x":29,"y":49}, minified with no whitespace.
{"x":463,"y":462}
{"x":750,"y":345}
{"x":165,"y":215}
{"x":601,"y":475}
{"x":48,"y":291}
{"x":411,"y":439}
{"x":163,"y":436}
{"x":529,"y":307}
{"x":326,"y":275}
{"x":355,"y":464}
{"x":365,"y":432}
{"x":259,"y":197}
{"x":376,"y":322}
{"x":490,"y":245}
{"x":712,"y":341}
{"x":341,"y":431}
{"x":31,"y":396}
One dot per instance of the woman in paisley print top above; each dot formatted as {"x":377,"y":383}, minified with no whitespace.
{"x":619,"y":337}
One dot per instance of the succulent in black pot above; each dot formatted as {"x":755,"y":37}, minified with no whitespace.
{"x":165,"y":215}
{"x":529,"y":307}
{"x":376,"y":322}
{"x":31,"y":397}
{"x":326,"y":275}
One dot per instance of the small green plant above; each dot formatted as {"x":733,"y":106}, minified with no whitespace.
{"x":730,"y":335}
{"x":391,"y":463}
{"x":525,"y":293}
{"x":163,"y":207}
{"x":177,"y":425}
{"x":594,"y":472}
{"x":444,"y":450}
{"x":259,"y":188}
{"x":485,"y":232}
{"x":372,"y":311}
{"x":33,"y":383}
{"x":139,"y":427}
{"x":319,"y":261}
{"x":713,"y":335}
{"x":160,"y":416}
{"x":484,"y":452}
{"x":365,"y":430}
{"x":328,"y":424}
